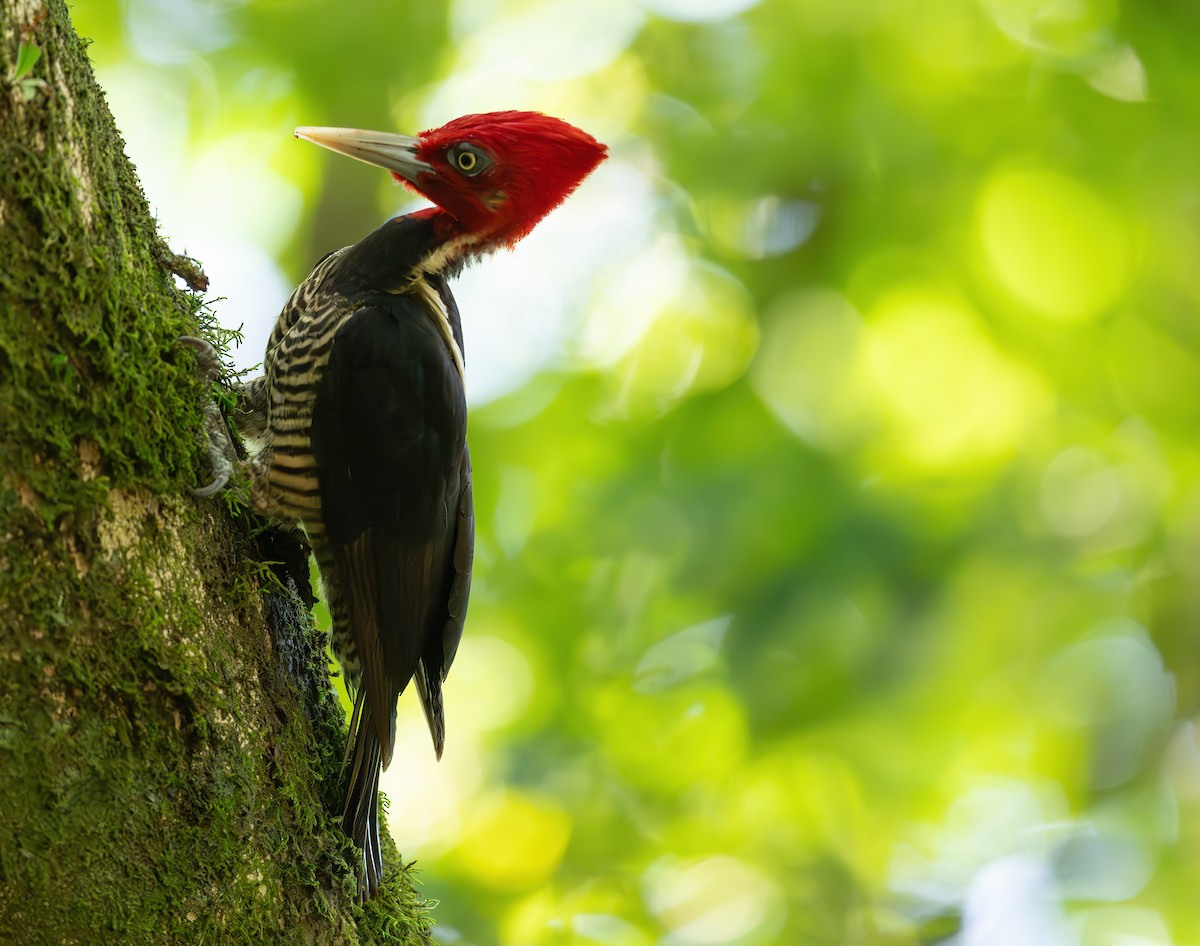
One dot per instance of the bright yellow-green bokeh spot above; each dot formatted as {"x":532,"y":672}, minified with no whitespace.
{"x":950,"y":397}
{"x":532,"y":918}
{"x":498,"y":678}
{"x":1052,"y":243}
{"x":949,"y":43}
{"x":515,"y":841}
{"x":700,"y":729}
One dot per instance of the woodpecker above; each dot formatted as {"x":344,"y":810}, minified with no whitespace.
{"x":359,"y":421}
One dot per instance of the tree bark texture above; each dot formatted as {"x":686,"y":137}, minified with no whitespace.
{"x":169,"y":740}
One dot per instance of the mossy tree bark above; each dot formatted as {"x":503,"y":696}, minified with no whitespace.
{"x":169,"y":743}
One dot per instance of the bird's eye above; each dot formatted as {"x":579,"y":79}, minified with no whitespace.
{"x":468,"y":159}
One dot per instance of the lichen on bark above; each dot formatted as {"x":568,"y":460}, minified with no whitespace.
{"x":169,"y":743}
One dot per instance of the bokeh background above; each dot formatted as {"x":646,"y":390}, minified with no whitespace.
{"x":836,"y":448}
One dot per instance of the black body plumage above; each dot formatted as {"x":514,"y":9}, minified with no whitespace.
{"x":361,"y":420}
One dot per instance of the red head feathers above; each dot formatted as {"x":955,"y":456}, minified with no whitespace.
{"x":497,"y":174}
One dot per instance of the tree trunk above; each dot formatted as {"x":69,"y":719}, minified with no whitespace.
{"x":169,"y":741}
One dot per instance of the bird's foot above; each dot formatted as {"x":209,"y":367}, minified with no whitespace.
{"x":222,"y":454}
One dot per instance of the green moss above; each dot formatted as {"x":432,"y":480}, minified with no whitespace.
{"x":169,"y":742}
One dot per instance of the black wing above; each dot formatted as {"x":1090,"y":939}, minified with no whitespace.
{"x":389,"y":441}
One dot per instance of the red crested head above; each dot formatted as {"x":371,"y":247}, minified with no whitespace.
{"x":497,"y":174}
{"x":502,"y":172}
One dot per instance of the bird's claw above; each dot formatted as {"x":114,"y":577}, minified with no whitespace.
{"x":220,"y":481}
{"x":208,"y":362}
{"x":222,"y":454}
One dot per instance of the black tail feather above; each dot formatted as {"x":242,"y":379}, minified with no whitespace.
{"x":429,"y":689}
{"x":360,"y":815}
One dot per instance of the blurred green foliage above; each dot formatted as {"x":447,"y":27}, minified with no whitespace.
{"x":839,"y":561}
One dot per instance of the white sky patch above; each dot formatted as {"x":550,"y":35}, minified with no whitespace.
{"x":250,"y":286}
{"x":175,"y":31}
{"x":229,"y":188}
{"x":542,"y":39}
{"x":152,"y":115}
{"x":1014,"y":900}
{"x":632,"y":297}
{"x":514,"y":317}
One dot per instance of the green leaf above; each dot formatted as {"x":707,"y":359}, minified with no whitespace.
{"x":27,"y":57}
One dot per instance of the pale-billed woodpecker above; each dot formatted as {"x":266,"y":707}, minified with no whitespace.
{"x":359,"y":422}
